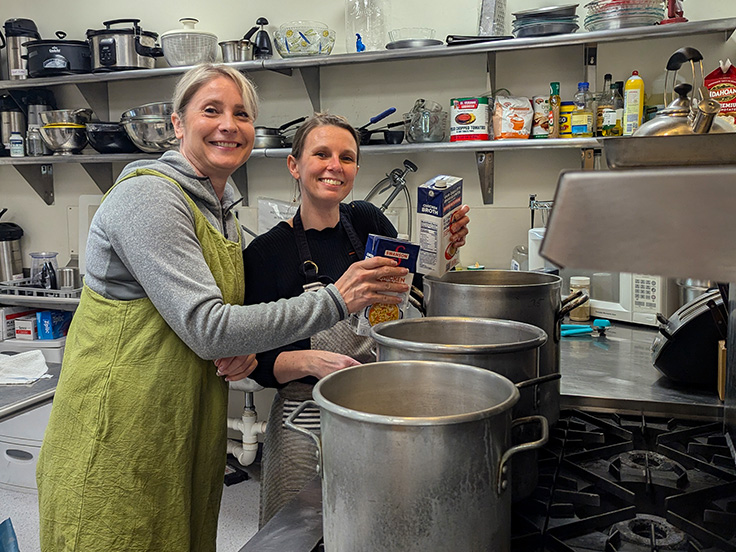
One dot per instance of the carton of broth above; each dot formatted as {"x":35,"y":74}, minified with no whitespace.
{"x":438,"y":201}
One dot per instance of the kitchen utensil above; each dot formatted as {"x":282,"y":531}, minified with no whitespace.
{"x":43,"y":269}
{"x":304,"y":38}
{"x":64,"y":139}
{"x":675,"y":13}
{"x":568,"y":10}
{"x":11,"y":258}
{"x":686,"y":348}
{"x":501,"y":346}
{"x":531,"y":297}
{"x":414,"y":43}
{"x":426,"y":122}
{"x":269,"y":137}
{"x":117,"y":49}
{"x":160,"y":109}
{"x":408,"y":33}
{"x":394,"y":136}
{"x":188,"y":46}
{"x":68,"y":277}
{"x":109,"y":137}
{"x":47,"y":58}
{"x":364,"y":134}
{"x":234,"y":51}
{"x":667,"y":151}
{"x":396,"y":435}
{"x":492,"y":17}
{"x":17,"y":32}
{"x":151,"y":133}
{"x":599,"y":326}
{"x":458,"y":40}
{"x":78,"y":116}
{"x":262,"y":48}
{"x":11,"y":120}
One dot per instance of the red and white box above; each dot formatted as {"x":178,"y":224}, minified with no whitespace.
{"x":26,"y":328}
{"x":8,"y":316}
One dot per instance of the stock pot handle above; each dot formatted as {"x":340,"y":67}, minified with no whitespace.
{"x":289,"y":422}
{"x":503,"y":469}
{"x":571,"y":302}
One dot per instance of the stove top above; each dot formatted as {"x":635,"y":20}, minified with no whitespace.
{"x":615,"y":483}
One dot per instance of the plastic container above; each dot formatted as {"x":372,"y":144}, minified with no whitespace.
{"x":582,"y":118}
{"x":188,"y":46}
{"x":581,"y":313}
{"x":368,"y":19}
{"x":17,"y":147}
{"x":633,"y":103}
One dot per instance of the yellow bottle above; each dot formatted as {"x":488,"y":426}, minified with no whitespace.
{"x":633,"y":103}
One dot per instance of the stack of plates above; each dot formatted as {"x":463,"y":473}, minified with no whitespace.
{"x":547,"y":21}
{"x":620,"y":14}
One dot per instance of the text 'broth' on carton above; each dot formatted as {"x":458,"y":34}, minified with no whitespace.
{"x":438,"y":201}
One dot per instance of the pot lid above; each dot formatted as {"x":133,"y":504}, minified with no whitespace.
{"x":121,"y":31}
{"x":188,"y":28}
{"x":10,"y":231}
{"x":61,"y":35}
{"x":21,"y":27}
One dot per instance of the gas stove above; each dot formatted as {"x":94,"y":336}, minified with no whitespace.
{"x":616,"y":483}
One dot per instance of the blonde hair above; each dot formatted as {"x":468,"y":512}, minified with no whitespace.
{"x":194,"y":79}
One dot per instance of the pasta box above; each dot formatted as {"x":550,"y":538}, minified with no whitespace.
{"x":8,"y":316}
{"x":438,"y":201}
{"x":406,"y":254}
{"x":53,"y":324}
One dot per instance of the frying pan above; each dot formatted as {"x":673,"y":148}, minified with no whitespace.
{"x":365,"y":135}
{"x":389,"y":136}
{"x":270,"y":137}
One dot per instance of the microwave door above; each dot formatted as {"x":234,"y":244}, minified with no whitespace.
{"x":612,"y":296}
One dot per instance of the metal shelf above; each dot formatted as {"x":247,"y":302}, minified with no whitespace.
{"x":48,"y":303}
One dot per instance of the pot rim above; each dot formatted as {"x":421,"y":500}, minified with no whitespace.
{"x":537,"y":339}
{"x":417,"y":421}
{"x":552,"y":279}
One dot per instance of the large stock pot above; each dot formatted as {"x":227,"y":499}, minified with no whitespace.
{"x":531,"y":297}
{"x":414,"y":457}
{"x":506,"y":347}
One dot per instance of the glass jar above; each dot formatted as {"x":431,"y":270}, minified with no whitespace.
{"x":582,"y":312}
{"x":35,"y":146}
{"x":44,"y":268}
{"x":520,"y":258}
{"x":365,"y":25}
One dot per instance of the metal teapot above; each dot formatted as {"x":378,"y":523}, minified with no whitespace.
{"x":686,"y":114}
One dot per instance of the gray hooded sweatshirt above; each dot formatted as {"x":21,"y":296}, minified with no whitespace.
{"x":142,"y":243}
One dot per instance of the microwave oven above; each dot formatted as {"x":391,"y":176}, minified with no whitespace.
{"x":633,"y":298}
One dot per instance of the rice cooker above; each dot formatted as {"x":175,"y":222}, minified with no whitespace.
{"x":123,"y":48}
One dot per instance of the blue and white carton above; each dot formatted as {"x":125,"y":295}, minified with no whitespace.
{"x":438,"y":201}
{"x":406,"y":254}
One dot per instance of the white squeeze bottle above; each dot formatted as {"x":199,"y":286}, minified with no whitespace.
{"x":633,"y":103}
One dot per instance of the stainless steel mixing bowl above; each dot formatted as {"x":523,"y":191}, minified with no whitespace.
{"x":64,"y":139}
{"x":66,"y":116}
{"x":151,"y":133}
{"x":160,"y":109}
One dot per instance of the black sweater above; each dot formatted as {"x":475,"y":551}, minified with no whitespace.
{"x":272,"y":267}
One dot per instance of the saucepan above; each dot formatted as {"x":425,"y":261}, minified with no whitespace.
{"x":270,"y":137}
{"x":365,"y":134}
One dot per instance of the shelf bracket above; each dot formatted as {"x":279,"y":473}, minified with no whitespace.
{"x":101,"y":173}
{"x":587,"y":159}
{"x":96,"y":95}
{"x":41,"y":179}
{"x":283,"y":70}
{"x":240,"y":179}
{"x":310,"y":76}
{"x":484,"y":160}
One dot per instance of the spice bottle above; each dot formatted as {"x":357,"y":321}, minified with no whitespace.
{"x":17,"y":148}
{"x":581,"y":313}
{"x":554,"y":109}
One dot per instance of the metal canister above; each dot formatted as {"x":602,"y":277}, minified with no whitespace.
{"x":17,"y":32}
{"x":469,"y":119}
{"x":566,"y":110}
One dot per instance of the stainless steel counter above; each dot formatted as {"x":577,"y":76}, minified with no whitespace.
{"x":16,"y":399}
{"x":615,"y":373}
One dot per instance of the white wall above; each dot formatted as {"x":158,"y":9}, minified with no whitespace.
{"x":358,"y":92}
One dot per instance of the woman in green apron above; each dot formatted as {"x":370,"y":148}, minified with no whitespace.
{"x":134,"y":454}
{"x":323,"y":241}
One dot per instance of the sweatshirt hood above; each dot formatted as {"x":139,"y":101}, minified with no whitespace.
{"x":176,"y":166}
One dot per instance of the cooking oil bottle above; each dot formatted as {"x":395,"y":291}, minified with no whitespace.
{"x":633,"y":103}
{"x":612,"y":112}
{"x":583,"y":123}
{"x":604,"y":103}
{"x":554,"y":109}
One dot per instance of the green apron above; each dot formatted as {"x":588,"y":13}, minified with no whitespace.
{"x":133,"y":458}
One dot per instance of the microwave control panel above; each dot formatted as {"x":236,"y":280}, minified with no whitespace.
{"x":647,"y":292}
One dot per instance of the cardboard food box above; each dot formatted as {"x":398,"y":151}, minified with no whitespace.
{"x":26,"y":328}
{"x":8,"y":316}
{"x":53,"y":324}
{"x":406,"y":253}
{"x":437,"y":202}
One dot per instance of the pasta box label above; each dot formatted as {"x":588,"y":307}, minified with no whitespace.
{"x":438,"y":201}
{"x":406,"y":254}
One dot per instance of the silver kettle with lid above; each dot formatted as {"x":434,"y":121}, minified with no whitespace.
{"x":686,"y":114}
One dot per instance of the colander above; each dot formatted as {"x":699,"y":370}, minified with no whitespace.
{"x":188,"y":46}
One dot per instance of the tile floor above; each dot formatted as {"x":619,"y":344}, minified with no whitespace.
{"x":238,"y":515}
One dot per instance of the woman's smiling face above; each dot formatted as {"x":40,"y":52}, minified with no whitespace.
{"x":216,"y":134}
{"x":327,"y":166}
